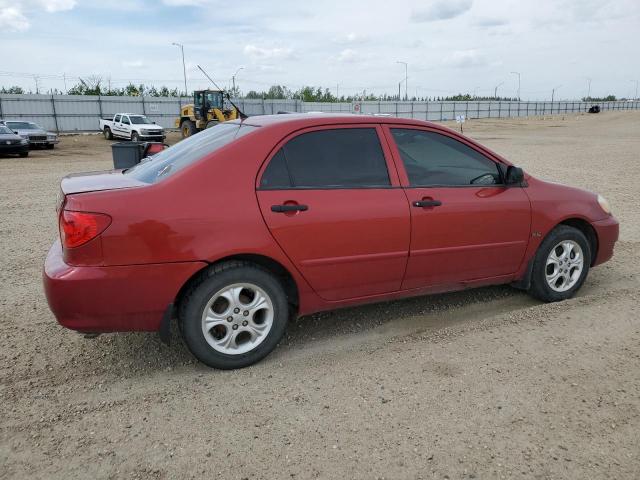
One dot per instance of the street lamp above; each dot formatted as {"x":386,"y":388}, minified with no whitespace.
{"x":406,"y":73}
{"x":233,"y":79}
{"x":184,"y":68}
{"x":553,"y":92}
{"x":588,"y":88}
{"x":518,"y":73}
{"x":636,"y":95}
{"x":495,"y":90}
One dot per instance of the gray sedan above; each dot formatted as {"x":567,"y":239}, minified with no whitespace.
{"x":37,"y":136}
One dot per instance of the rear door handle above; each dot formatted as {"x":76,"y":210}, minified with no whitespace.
{"x":289,"y":208}
{"x":427,"y":203}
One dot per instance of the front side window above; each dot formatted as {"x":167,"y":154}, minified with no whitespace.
{"x":125,"y":120}
{"x":164,"y":164}
{"x":340,"y":158}
{"x":117,"y":118}
{"x":432,"y":159}
{"x":140,"y":120}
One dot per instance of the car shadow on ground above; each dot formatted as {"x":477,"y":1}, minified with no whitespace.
{"x":144,"y":353}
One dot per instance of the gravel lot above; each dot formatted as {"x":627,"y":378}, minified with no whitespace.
{"x":479,"y":384}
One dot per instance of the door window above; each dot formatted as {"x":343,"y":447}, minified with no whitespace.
{"x":125,"y":120}
{"x":432,"y":159}
{"x":338,"y":158}
{"x":117,"y":119}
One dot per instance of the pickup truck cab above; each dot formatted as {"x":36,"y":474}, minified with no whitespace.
{"x":131,"y":126}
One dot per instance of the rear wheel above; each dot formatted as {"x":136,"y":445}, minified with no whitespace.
{"x":24,"y":154}
{"x":107,"y":133}
{"x":234,"y":316}
{"x":135,"y":137}
{"x":561,"y":264}
{"x":188,"y":128}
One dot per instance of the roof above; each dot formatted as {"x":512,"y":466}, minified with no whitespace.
{"x":311,"y":119}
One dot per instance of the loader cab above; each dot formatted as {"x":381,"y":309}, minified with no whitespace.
{"x":205,"y":100}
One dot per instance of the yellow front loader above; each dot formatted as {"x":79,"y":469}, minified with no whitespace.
{"x":207,"y":110}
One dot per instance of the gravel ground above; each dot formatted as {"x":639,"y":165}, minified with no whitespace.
{"x":485,"y":383}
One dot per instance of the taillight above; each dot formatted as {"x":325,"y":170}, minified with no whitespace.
{"x":77,"y":228}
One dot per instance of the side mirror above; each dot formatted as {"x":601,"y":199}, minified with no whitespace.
{"x":514,"y":176}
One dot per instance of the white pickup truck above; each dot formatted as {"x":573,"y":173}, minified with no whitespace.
{"x":132,"y":126}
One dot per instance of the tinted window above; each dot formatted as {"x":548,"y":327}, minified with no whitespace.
{"x":276,"y":174}
{"x":433,"y":159}
{"x":348,"y":157}
{"x":186,"y":152}
{"x":117,"y":118}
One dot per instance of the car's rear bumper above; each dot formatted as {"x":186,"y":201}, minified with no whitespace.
{"x":115,"y":298}
{"x":607,"y":231}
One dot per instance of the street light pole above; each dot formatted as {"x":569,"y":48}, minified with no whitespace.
{"x":233,"y":79}
{"x":495,"y":90}
{"x":588,"y":88}
{"x":553,"y":92}
{"x":636,"y":95}
{"x":184,"y":67}
{"x":406,"y":76}
{"x":518,"y":73}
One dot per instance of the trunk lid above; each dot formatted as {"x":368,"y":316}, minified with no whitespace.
{"x":98,"y":181}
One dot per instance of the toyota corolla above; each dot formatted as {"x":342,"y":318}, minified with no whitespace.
{"x":243,"y":226}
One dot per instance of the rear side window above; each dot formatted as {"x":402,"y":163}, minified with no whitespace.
{"x":188,"y":151}
{"x":432,"y":159}
{"x":340,"y":158}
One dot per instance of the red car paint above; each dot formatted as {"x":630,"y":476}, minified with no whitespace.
{"x":350,"y":247}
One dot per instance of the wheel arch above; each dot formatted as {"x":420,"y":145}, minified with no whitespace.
{"x":585,"y":227}
{"x":281,"y":273}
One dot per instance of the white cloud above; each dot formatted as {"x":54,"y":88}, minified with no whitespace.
{"x":347,"y":56}
{"x":441,"y":10}
{"x":134,"y":64}
{"x":57,"y":5}
{"x":183,"y":3}
{"x":352,"y":38}
{"x":12,"y":19}
{"x":259,"y":53}
{"x":465,"y":58}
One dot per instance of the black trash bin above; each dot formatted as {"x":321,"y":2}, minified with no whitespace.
{"x":127,"y":154}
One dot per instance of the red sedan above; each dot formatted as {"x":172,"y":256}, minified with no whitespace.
{"x":247,"y":224}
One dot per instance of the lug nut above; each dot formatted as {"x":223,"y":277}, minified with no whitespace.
{"x":236,"y":310}
{"x":229,"y":319}
{"x":235,"y":327}
{"x":246,"y":313}
{"x":245,"y":323}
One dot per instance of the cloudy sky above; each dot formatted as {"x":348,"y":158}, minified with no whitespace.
{"x":450,"y":46}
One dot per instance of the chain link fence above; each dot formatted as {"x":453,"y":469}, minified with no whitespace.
{"x":80,"y":113}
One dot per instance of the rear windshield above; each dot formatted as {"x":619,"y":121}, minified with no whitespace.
{"x":22,"y":125}
{"x":186,"y":152}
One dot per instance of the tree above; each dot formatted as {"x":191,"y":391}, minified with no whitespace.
{"x":14,"y":89}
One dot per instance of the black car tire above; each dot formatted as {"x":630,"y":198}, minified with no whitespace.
{"x":135,"y":137}
{"x":108,"y":134}
{"x":24,"y":154}
{"x":188,"y":128}
{"x":51,"y":146}
{"x":195,"y":300}
{"x":539,"y":286}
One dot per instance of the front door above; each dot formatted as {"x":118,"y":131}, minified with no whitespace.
{"x":332,"y":205}
{"x":466,"y":225}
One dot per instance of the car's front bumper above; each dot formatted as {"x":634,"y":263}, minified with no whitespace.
{"x":14,"y":148}
{"x":152,"y":138}
{"x":114,"y":298}
{"x":607,"y":232}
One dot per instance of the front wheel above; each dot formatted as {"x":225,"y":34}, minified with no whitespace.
{"x":188,"y":128}
{"x":135,"y":137}
{"x":107,"y":133}
{"x":234,"y":316}
{"x":561,"y":264}
{"x":24,"y":154}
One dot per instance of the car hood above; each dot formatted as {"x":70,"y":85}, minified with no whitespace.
{"x":29,"y":132}
{"x":97,"y":181}
{"x":9,"y":136}
{"x":153,"y":126}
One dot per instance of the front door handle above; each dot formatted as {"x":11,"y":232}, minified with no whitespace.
{"x":427,"y":203}
{"x":289,"y":208}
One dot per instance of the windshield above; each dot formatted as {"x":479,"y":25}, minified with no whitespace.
{"x":4,"y":129}
{"x":140,"y":120}
{"x":183,"y":154}
{"x":22,"y":125}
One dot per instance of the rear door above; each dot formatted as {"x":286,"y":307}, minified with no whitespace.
{"x":467,"y":226}
{"x":337,"y":210}
{"x":126,"y":126}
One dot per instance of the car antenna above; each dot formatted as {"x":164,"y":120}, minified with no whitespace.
{"x":240,"y":112}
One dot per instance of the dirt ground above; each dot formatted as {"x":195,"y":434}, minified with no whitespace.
{"x":481,"y":384}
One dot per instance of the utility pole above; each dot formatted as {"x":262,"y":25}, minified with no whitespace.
{"x":553,"y":92}
{"x":588,"y":88}
{"x":338,"y":92}
{"x":64,"y":78}
{"x":636,"y":95}
{"x":495,"y":90}
{"x":406,"y":76}
{"x":475,"y":90}
{"x":399,"y":83}
{"x":35,"y":79}
{"x":184,"y":67}
{"x":518,"y":73}
{"x":233,"y":79}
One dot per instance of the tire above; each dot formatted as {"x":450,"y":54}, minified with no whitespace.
{"x":135,"y":137}
{"x":188,"y":128}
{"x":108,"y":134}
{"x":244,"y":334}
{"x":24,"y":154}
{"x":50,"y":146}
{"x":559,"y":277}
